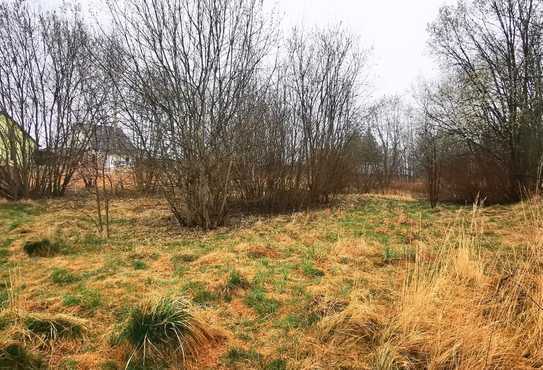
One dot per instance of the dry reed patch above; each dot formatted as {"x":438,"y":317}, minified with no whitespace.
{"x":257,"y":250}
{"x":447,"y":315}
{"x":353,"y":249}
{"x":216,"y":258}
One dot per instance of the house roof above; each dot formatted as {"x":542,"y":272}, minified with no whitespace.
{"x":109,"y":139}
{"x":16,"y":124}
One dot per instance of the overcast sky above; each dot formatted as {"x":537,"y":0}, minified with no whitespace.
{"x":395,"y":30}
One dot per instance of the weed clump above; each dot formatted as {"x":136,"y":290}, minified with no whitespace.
{"x":162,"y":332}
{"x":42,"y":248}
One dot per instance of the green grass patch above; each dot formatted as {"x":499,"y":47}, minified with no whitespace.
{"x":258,"y":301}
{"x":390,"y":255}
{"x":277,"y":364}
{"x":69,"y":364}
{"x":309,"y":269}
{"x":235,"y":280}
{"x":87,"y":299}
{"x":63,"y":277}
{"x":199,"y":293}
{"x":237,"y":355}
{"x":298,"y":320}
{"x":14,"y":215}
{"x":139,"y":265}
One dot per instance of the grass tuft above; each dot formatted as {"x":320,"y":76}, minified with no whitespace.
{"x":310,"y":270}
{"x":63,"y":277}
{"x":162,"y":332}
{"x":14,"y":356}
{"x":52,"y":327}
{"x":42,"y":248}
{"x":236,"y":355}
{"x":139,"y":265}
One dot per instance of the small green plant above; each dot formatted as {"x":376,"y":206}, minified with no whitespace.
{"x":53,"y":327}
{"x":163,"y":331}
{"x":42,"y":248}
{"x":257,"y":300}
{"x":294,"y":321}
{"x":62,"y":276}
{"x":235,"y":280}
{"x":139,"y":265}
{"x":389,"y":255}
{"x":71,"y":300}
{"x":310,"y":270}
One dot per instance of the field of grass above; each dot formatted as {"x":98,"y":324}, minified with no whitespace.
{"x":374,"y":282}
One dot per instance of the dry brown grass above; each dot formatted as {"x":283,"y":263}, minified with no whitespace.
{"x":376,"y":283}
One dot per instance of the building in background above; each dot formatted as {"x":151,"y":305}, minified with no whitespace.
{"x":17,"y":147}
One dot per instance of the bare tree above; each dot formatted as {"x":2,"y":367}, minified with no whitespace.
{"x":47,"y":86}
{"x":325,"y":70}
{"x":493,"y":49}
{"x":190,"y":62}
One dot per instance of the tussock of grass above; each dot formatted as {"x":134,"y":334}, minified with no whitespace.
{"x":163,"y":332}
{"x":42,"y":248}
{"x":277,"y":364}
{"x":139,"y":265}
{"x":62,"y":276}
{"x":14,"y":356}
{"x":53,"y":327}
{"x":237,"y":355}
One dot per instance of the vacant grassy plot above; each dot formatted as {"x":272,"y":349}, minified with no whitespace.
{"x":376,"y":282}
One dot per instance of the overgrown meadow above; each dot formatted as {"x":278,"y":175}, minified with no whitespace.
{"x":372,"y":282}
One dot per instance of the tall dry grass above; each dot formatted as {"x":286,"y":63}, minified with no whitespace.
{"x":463,"y":305}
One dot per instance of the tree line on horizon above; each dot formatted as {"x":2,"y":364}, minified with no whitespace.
{"x":227,"y":113}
